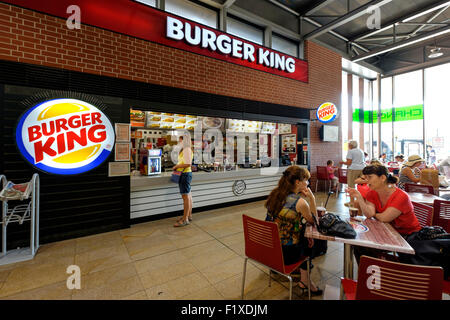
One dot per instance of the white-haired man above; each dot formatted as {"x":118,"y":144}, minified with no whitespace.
{"x":355,"y":163}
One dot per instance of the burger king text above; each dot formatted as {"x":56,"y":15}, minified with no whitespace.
{"x":66,"y":139}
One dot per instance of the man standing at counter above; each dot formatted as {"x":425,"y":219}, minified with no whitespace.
{"x":184,"y":165}
{"x":355,"y":163}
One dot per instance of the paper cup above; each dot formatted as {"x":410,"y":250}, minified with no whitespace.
{"x":353,"y":211}
{"x":321,"y":211}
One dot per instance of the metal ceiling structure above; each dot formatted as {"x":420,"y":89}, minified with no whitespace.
{"x":387,"y":36}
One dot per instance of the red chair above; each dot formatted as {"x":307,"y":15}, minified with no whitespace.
{"x":424,"y":213}
{"x":263,"y":245}
{"x":421,"y":188}
{"x":322,"y":175}
{"x":342,"y":176}
{"x":385,"y":280}
{"x":441,"y":216}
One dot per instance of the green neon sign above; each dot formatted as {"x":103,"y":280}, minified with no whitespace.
{"x":388,"y":115}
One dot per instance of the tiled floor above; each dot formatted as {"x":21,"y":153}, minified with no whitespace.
{"x":154,"y":260}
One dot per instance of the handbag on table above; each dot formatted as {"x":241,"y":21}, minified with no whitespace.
{"x":332,"y":225}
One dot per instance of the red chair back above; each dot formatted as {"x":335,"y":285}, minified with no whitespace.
{"x":322,"y":173}
{"x":411,"y":187}
{"x":386,"y":280}
{"x":262,"y":242}
{"x":342,"y":175}
{"x":441,"y":216}
{"x":424,"y":213}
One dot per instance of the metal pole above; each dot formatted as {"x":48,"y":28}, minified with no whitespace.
{"x":4,"y":212}
{"x":423,"y":112}
{"x":393,"y":118}
{"x":38,"y":191}
{"x":32,"y":214}
{"x":379,"y":114}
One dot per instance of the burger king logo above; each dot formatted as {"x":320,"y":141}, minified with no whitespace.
{"x":327,"y":112}
{"x":65,"y":136}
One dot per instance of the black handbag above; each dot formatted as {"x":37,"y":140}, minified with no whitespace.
{"x":432,"y":248}
{"x":332,"y":225}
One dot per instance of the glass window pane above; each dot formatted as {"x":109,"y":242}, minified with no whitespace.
{"x":192,"y":11}
{"x":386,"y":118}
{"x":375,"y":119}
{"x":244,"y":30}
{"x":344,"y":113}
{"x":151,"y":3}
{"x":408,"y":118}
{"x":437,"y":112}
{"x":367,"y":121}
{"x":284,"y":45}
{"x":355,"y":108}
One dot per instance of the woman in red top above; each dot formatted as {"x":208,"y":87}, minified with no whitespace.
{"x":386,"y":203}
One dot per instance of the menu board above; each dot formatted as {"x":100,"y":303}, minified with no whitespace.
{"x":268,"y":128}
{"x":162,"y":120}
{"x":137,"y":118}
{"x":235,"y":125}
{"x":284,"y":128}
{"x":288,"y":143}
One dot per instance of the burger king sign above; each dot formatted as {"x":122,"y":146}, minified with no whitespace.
{"x":65,"y":136}
{"x":327,"y":112}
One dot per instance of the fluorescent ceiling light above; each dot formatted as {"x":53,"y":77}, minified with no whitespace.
{"x":401,"y":44}
{"x":427,"y":11}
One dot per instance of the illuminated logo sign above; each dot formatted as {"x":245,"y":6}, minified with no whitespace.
{"x":327,"y":112}
{"x":65,"y":136}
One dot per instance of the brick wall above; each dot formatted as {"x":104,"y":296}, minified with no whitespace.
{"x":30,"y":37}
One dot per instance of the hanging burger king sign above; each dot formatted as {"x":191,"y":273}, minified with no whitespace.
{"x":327,"y":112}
{"x":65,"y":136}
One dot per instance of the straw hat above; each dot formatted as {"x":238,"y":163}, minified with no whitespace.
{"x":413,"y":159}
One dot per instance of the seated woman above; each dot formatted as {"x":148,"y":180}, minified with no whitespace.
{"x":410,"y":172}
{"x":290,"y":212}
{"x":385,"y":203}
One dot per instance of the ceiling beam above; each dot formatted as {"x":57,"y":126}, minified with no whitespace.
{"x":228,"y":3}
{"x":352,"y":15}
{"x":316,"y":7}
{"x":401,"y":44}
{"x":282,"y":6}
{"x":337,"y":35}
{"x":418,"y":66}
{"x":406,"y":18}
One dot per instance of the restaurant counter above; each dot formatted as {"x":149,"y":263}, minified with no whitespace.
{"x":152,"y":195}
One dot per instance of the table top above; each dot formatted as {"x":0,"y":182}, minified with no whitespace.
{"x":372,"y":234}
{"x":424,"y":198}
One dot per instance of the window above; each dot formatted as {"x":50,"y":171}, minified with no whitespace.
{"x":284,"y":45}
{"x":193,"y":12}
{"x":408,"y":117}
{"x":355,"y":109}
{"x":151,"y":3}
{"x":244,"y":30}
{"x":437,"y":113}
{"x":375,"y":153}
{"x":344,"y":113}
{"x":386,"y":118}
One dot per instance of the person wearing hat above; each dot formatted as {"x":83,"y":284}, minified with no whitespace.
{"x":410,"y":172}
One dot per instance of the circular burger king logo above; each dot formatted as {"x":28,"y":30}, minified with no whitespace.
{"x":327,"y":112}
{"x":65,"y":136}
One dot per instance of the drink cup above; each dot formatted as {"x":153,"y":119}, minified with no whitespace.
{"x":321,"y":211}
{"x":353,"y":211}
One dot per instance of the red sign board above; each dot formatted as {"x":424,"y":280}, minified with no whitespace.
{"x":147,"y":23}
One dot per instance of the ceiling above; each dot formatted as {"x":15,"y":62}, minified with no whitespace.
{"x":398,"y":41}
